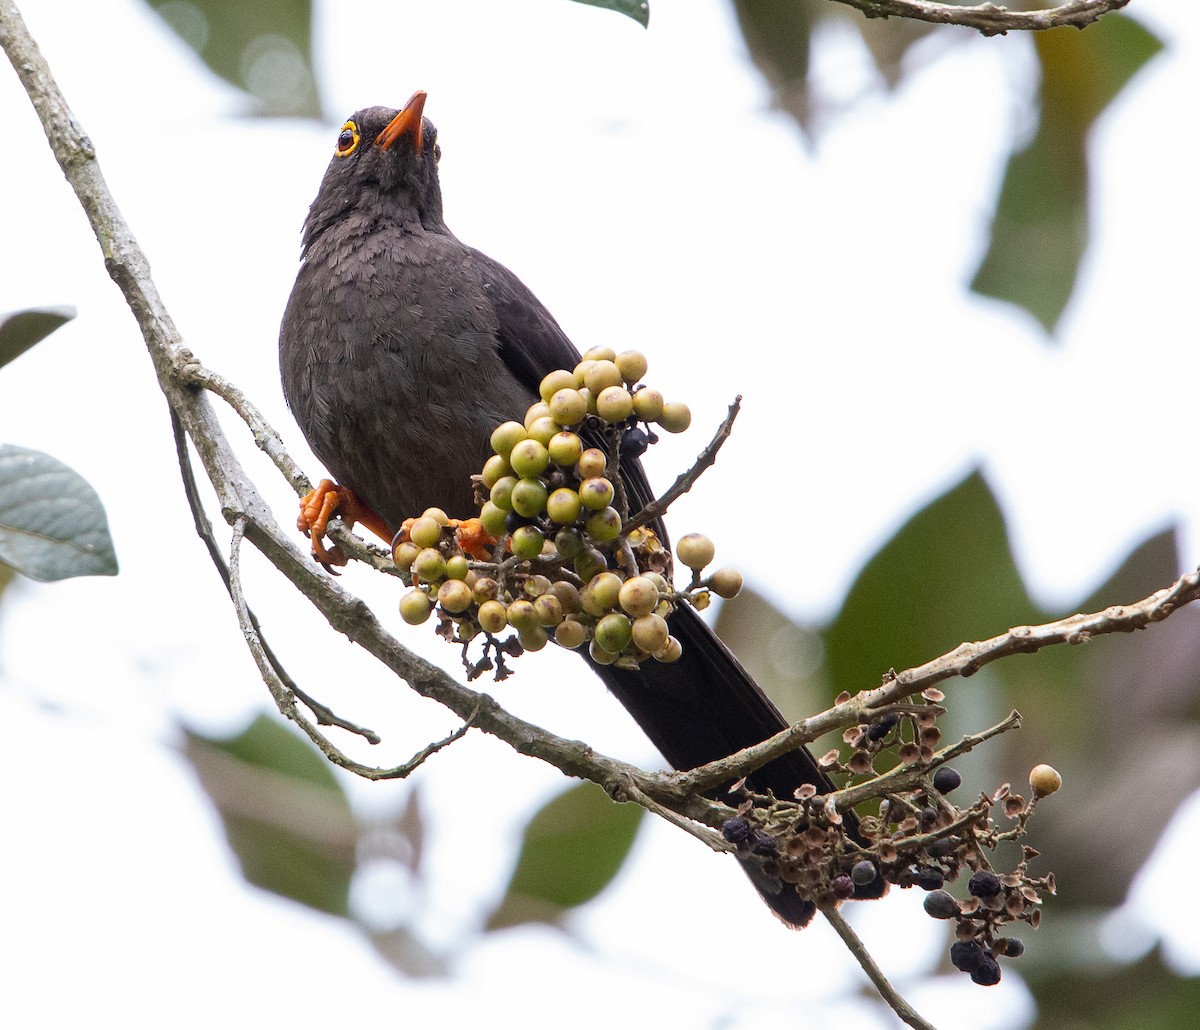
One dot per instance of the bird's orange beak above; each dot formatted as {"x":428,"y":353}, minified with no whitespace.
{"x":409,"y":120}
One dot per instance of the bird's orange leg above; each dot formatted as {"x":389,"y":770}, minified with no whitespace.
{"x":324,"y":501}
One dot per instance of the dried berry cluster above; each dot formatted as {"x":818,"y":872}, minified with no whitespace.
{"x":915,"y":837}
{"x":551,"y":557}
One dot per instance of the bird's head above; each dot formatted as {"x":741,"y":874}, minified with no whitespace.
{"x":384,"y":168}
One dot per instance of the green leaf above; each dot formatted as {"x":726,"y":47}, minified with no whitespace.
{"x":22,"y":329}
{"x":638,"y":10}
{"x":947,"y":576}
{"x":52,"y":524}
{"x":778,"y":34}
{"x":285,"y":815}
{"x":262,"y":48}
{"x":572,"y":849}
{"x":1040,"y":230}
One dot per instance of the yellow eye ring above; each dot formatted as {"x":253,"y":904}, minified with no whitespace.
{"x":347,"y":141}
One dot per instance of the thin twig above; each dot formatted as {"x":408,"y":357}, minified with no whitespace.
{"x":859,"y":950}
{"x":656,"y":509}
{"x":989,"y":18}
{"x":286,"y":701}
{"x":325,"y":715}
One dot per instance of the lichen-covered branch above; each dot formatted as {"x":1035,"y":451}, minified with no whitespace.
{"x":988,"y":18}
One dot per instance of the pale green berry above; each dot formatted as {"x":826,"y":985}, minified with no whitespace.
{"x":604,"y":525}
{"x":650,"y":633}
{"x":725,"y":583}
{"x":567,"y":594}
{"x":675,"y":417}
{"x":614,"y":404}
{"x":648,"y":405}
{"x":535,"y":586}
{"x":600,"y":353}
{"x":539,"y":409}
{"x":492,"y":617}
{"x":415,"y":607}
{"x":529,"y":497}
{"x":456,"y":567}
{"x":494,"y":469}
{"x":601,"y":656}
{"x":455,"y":596}
{"x":544,"y":429}
{"x":591,"y":463}
{"x":533,"y":638}
{"x":529,"y":458}
{"x":570,"y":633}
{"x":613,"y":632}
{"x":596,"y":492}
{"x":569,"y":543}
{"x":568,"y":407}
{"x":589,"y":563}
{"x":429,"y":566}
{"x":521,"y":615}
{"x":565,"y":449}
{"x":1044,"y":779}
{"x":602,"y":374}
{"x":492,"y":517}
{"x":581,"y":370}
{"x":671,"y":652}
{"x":606,"y":589}
{"x":548,"y":610}
{"x":559,"y":379}
{"x":527,"y":542}
{"x":486,"y":589}
{"x":638,"y":596}
{"x":425,"y":532}
{"x":695,"y":550}
{"x":563,"y":506}
{"x":505,"y":436}
{"x":633,"y":365}
{"x":404,"y":554}
{"x":501,"y":493}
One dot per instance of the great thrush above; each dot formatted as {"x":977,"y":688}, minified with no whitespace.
{"x":402,"y":348}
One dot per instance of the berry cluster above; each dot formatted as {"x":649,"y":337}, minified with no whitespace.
{"x":556,"y":559}
{"x":915,"y":837}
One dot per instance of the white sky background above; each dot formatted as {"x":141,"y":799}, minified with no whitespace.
{"x":640,"y":184}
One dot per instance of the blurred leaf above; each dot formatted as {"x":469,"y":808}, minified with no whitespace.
{"x":1145,"y":995}
{"x":638,"y":10}
{"x":411,"y":827}
{"x":778,"y":34}
{"x":407,"y":954}
{"x":286,"y":817}
{"x":20,"y":330}
{"x":262,"y":48}
{"x":52,"y":524}
{"x":572,"y":849}
{"x":1040,"y":230}
{"x":946,"y":576}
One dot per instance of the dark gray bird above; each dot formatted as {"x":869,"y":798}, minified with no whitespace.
{"x":402,"y":348}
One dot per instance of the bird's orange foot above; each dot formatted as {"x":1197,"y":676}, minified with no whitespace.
{"x":321,"y":504}
{"x":473,"y":539}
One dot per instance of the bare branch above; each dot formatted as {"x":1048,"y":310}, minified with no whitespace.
{"x":859,"y":950}
{"x":657,"y":508}
{"x":990,"y":19}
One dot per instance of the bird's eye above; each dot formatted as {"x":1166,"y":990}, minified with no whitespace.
{"x":347,"y":141}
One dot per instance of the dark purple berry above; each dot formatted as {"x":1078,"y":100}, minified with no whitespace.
{"x":761,"y":842}
{"x":987,"y":973}
{"x":514,"y":521}
{"x":735,"y":830}
{"x":881,"y":728}
{"x":1013,"y":947}
{"x":966,"y":955}
{"x":943,"y":848}
{"x":634,"y":443}
{"x":941,"y":905}
{"x":984,"y":884}
{"x":946,"y":779}
{"x":929,"y":879}
{"x":841,"y":887}
{"x":864,"y":872}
